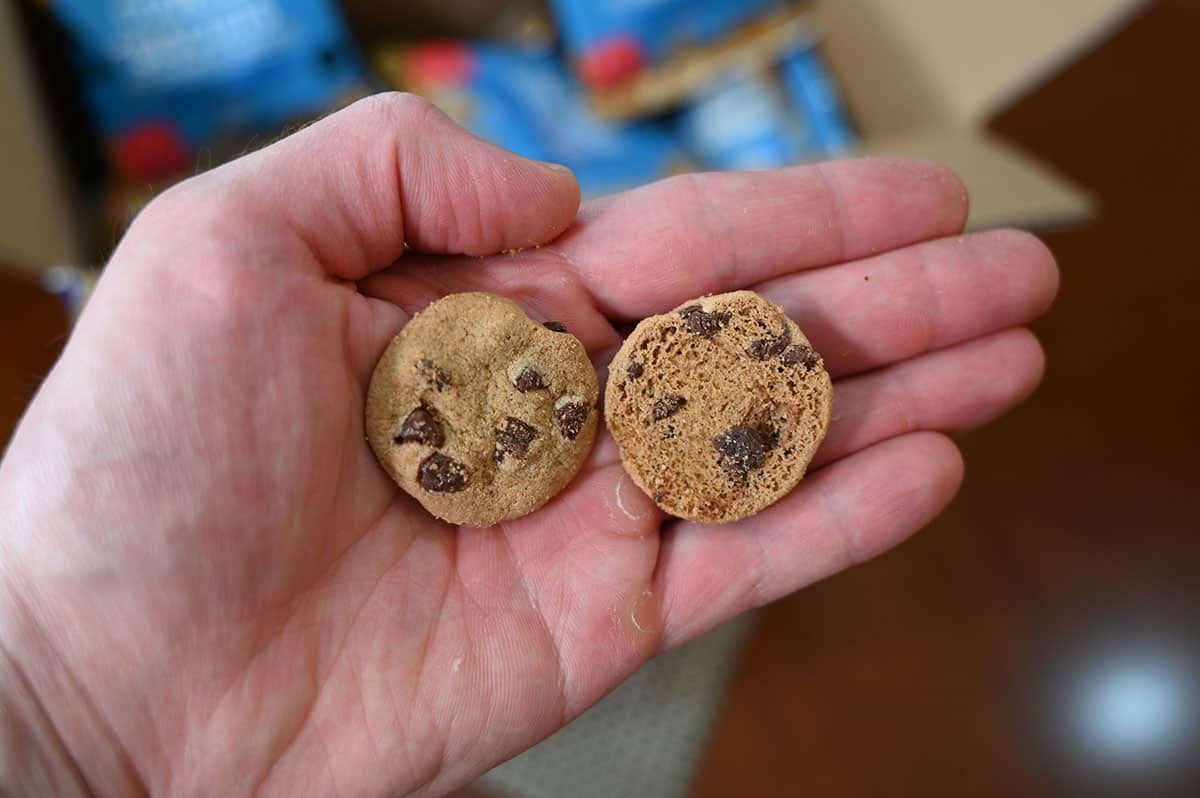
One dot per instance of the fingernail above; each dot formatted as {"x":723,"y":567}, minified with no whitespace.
{"x":555,"y":167}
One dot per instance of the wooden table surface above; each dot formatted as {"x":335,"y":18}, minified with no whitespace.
{"x":1043,"y":636}
{"x":1021,"y":644}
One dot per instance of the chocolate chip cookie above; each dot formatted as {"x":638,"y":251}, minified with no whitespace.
{"x":479,"y":412}
{"x":718,"y":406}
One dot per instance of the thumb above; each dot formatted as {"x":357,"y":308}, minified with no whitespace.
{"x":389,"y":171}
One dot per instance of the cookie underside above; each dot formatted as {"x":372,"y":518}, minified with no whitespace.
{"x":718,"y":406}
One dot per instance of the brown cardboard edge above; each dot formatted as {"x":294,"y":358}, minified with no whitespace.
{"x":1077,"y":47}
{"x":1008,"y":187}
{"x":756,"y":46}
{"x":893,"y":71}
{"x":38,"y":227}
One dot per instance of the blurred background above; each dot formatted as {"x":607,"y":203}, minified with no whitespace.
{"x":1043,"y":636}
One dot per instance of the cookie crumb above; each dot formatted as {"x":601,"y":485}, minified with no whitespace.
{"x":667,"y":406}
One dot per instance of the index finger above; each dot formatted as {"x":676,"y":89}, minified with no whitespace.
{"x":651,"y":248}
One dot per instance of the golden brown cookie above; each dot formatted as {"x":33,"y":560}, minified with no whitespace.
{"x":718,"y":406}
{"x":479,"y":412}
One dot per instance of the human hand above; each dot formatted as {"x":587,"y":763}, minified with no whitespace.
{"x":210,"y":586}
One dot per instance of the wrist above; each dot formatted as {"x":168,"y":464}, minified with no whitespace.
{"x":33,"y":757}
{"x":52,"y":742}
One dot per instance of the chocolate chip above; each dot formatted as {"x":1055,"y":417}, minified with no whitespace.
{"x":556,"y":326}
{"x":514,"y":439}
{"x":529,"y":379}
{"x":634,"y":369}
{"x":433,"y":375}
{"x":770,"y":346}
{"x":801,"y":355}
{"x":794,"y":355}
{"x":667,"y":406}
{"x":571,"y":417}
{"x":741,"y":451}
{"x":706,"y":325}
{"x":441,"y":474}
{"x":659,"y":496}
{"x":768,"y":433}
{"x":421,"y":426}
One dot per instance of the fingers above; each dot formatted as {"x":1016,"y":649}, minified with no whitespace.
{"x":953,"y":389}
{"x":388,"y":171}
{"x":891,"y":307}
{"x":534,"y":279}
{"x":839,"y":516}
{"x":647,"y":250}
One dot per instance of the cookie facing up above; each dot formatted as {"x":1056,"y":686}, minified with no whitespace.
{"x":479,"y":412}
{"x":718,"y":406}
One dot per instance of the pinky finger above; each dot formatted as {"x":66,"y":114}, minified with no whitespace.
{"x":843,"y":514}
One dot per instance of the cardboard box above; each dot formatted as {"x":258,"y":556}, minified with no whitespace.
{"x":38,"y":226}
{"x":920,"y":77}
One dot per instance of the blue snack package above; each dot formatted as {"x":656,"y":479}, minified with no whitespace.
{"x":743,"y":123}
{"x":768,"y":118}
{"x":165,"y":79}
{"x":817,"y":101}
{"x":526,"y":100}
{"x":609,"y":42}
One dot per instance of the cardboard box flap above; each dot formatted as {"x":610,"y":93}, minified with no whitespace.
{"x":919,"y":63}
{"x":36,"y":227}
{"x":1008,"y":188}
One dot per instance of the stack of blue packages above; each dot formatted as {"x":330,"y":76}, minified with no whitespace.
{"x":527,"y":100}
{"x":167,"y":81}
{"x":766,"y":101}
{"x":524,"y":98}
{"x":610,"y":43}
{"x":779,"y":109}
{"x":768,"y":119}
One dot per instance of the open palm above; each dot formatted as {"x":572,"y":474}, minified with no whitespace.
{"x":242,"y":599}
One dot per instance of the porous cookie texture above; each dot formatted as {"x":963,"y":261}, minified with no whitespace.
{"x":718,"y":406}
{"x":479,"y":412}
